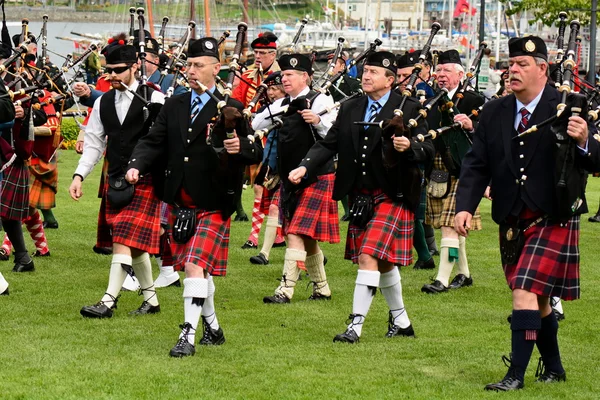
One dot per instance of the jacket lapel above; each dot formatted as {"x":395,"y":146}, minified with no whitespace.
{"x":355,"y":117}
{"x":544,"y":110}
{"x":506,"y":120}
{"x":184,"y":115}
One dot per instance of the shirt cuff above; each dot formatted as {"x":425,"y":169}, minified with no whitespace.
{"x":582,"y":150}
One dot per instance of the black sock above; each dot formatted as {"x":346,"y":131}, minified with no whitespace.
{"x":15,"y":234}
{"x":48,"y":216}
{"x":524,"y":325}
{"x":547,"y":344}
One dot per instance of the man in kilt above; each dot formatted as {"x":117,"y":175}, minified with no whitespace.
{"x":309,"y":212}
{"x":378,"y":169}
{"x":451,"y":148}
{"x":202,"y":185}
{"x":539,"y":242}
{"x":118,"y":120}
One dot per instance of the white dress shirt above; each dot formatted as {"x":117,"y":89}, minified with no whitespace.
{"x":94,"y":142}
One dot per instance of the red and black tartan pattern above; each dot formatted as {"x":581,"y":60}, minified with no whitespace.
{"x":43,"y":184}
{"x":137,"y":225}
{"x":549,"y":263}
{"x":208,"y":248}
{"x":316,"y":215}
{"x":388,"y":236}
{"x":269,"y":197}
{"x":14,"y":199}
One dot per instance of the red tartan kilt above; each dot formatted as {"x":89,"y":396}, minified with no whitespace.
{"x":388,"y":236}
{"x":137,"y":225}
{"x":549,"y":262}
{"x":14,"y":199}
{"x":269,"y":197}
{"x":208,"y":248}
{"x":316,"y":215}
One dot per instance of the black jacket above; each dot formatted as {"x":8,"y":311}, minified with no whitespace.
{"x":497,"y":157}
{"x":402,"y":183}
{"x":213,"y":180}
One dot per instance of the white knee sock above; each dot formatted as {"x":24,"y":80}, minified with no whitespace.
{"x":143,"y":271}
{"x":316,"y":271}
{"x":367,"y":283}
{"x":445,"y":267}
{"x":195,"y":292}
{"x":463,"y":263}
{"x":116,"y":277}
{"x":270,"y":235}
{"x":290,"y":271}
{"x":3,"y":284}
{"x":391,"y":288}
{"x":208,"y":310}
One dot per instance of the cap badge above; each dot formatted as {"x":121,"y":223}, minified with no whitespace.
{"x":208,"y":45}
{"x":293,"y":62}
{"x":149,"y":45}
{"x":385,"y":62}
{"x":530,"y":46}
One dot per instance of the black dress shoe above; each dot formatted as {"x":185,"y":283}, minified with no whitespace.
{"x":395,"y":330}
{"x":241,"y":218}
{"x":319,"y":296}
{"x":98,"y":310}
{"x":281,"y":244}
{"x":260,"y":259}
{"x":146,"y":308}
{"x":429,"y":264}
{"x":39,"y":254}
{"x":559,"y":316}
{"x":459,"y":281}
{"x":105,"y":251}
{"x":211,"y":336}
{"x":50,"y":225}
{"x":505,"y":385}
{"x":347,"y":337}
{"x":28,"y":267}
{"x":545,"y":376}
{"x":434,"y":288}
{"x":595,"y":218}
{"x":182,"y":348}
{"x":277,"y":298}
{"x":249,"y":245}
{"x":4,"y":256}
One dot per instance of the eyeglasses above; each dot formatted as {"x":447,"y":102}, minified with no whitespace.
{"x":262,"y":52}
{"x":197,"y":65}
{"x":117,"y":70}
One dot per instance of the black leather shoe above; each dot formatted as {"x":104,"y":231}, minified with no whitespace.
{"x":249,"y":245}
{"x":347,"y":337}
{"x":241,"y":218}
{"x":395,"y":330}
{"x":4,"y":256}
{"x":105,"y":251}
{"x":211,"y":336}
{"x":183,"y":348}
{"x":276,"y":299}
{"x":429,"y":264}
{"x":98,"y":310}
{"x":459,"y":281}
{"x":595,"y":218}
{"x":505,"y":385}
{"x":319,"y":296}
{"x":50,"y":225}
{"x":39,"y":254}
{"x":545,"y":376}
{"x":260,"y":259}
{"x":282,"y":244}
{"x":29,"y":267}
{"x":146,"y":308}
{"x":434,"y":288}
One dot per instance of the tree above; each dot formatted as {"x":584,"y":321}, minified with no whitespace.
{"x":547,"y":10}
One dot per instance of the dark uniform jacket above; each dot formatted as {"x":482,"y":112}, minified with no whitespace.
{"x":347,"y":86}
{"x":190,"y":163}
{"x":402,"y":182}
{"x":521,"y":170}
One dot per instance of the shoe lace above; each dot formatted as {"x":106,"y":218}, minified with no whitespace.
{"x":352,"y":322}
{"x":207,"y":329}
{"x":150,"y":289}
{"x":541,"y":368}
{"x":512,"y":371}
{"x":186,"y":329}
{"x":114,"y":301}
{"x":392,"y":327}
{"x":285,"y":280}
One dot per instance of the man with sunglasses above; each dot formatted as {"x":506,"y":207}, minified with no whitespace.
{"x":202,"y":182}
{"x":118,"y":120}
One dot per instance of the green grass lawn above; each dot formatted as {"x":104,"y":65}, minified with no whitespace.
{"x":48,"y":351}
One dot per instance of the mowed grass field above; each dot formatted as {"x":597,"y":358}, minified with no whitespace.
{"x":48,"y":351}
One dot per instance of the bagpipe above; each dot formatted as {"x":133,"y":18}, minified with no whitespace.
{"x":175,"y":63}
{"x":472,"y":72}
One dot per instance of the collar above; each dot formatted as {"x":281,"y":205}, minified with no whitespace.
{"x":532,"y":105}
{"x":304,"y":92}
{"x":204,"y":97}
{"x":384,"y":99}
{"x":133,"y":87}
{"x":452,"y":92}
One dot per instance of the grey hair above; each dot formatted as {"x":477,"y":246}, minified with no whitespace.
{"x":459,"y":68}
{"x":539,"y":61}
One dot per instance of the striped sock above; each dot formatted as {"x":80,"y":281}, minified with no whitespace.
{"x":7,"y":245}
{"x":36,"y":231}
{"x":257,"y":220}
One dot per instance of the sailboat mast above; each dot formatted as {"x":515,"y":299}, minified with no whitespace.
{"x":193,"y":18}
{"x":150,"y":22}
{"x":207,"y":17}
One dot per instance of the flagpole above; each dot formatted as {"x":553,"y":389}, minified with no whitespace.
{"x":498,"y":22}
{"x":450,"y":17}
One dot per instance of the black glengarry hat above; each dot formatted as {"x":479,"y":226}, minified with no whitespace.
{"x":383,"y":59}
{"x":449,"y":57}
{"x":206,"y":46}
{"x":121,"y":54}
{"x":409,"y":59}
{"x":527,"y":46}
{"x":297,"y":62}
{"x":266,"y":40}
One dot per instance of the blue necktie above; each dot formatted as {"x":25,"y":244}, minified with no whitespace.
{"x":373,"y":112}
{"x":195,"y":109}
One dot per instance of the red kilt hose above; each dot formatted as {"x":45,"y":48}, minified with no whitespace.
{"x":269,"y":197}
{"x":14,"y":199}
{"x":388,"y":236}
{"x":316,"y":215}
{"x":137,"y":225}
{"x":549,"y":263}
{"x":208,"y":248}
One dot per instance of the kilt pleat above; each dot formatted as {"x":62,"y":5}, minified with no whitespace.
{"x":316,"y":215}
{"x":137,"y":225}
{"x":43,"y":185}
{"x":208,"y":248}
{"x":269,"y":197}
{"x":549,"y":263}
{"x":388,"y":236}
{"x":14,"y":199}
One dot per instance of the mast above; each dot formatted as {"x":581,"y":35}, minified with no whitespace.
{"x":207,"y":17}
{"x":193,"y":18}
{"x":150,"y":23}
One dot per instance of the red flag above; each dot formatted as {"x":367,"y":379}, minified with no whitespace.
{"x":462,"y":6}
